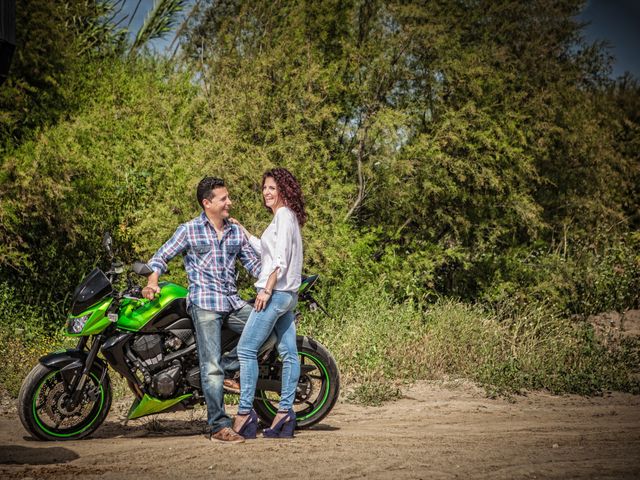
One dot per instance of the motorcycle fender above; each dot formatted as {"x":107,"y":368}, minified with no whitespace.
{"x":70,"y":363}
{"x":274,"y":384}
{"x":268,"y":385}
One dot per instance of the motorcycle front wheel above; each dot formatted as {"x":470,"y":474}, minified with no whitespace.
{"x":44,"y":410}
{"x":317,"y":391}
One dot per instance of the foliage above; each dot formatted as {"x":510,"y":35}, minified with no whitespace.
{"x":460,"y":132}
{"x":25,"y":336}
{"x":451,"y":154}
{"x":588,"y":278}
{"x":53,"y":42}
{"x":89,"y":175}
{"x":508,"y":350}
{"x":159,"y":21}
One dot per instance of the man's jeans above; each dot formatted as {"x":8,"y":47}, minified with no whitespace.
{"x":208,"y":327}
{"x":278,"y":315}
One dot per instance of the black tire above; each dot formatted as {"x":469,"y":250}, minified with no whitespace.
{"x":317,"y":391}
{"x":41,"y":410}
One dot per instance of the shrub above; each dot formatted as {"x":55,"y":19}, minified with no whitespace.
{"x":379,"y":343}
{"x":24,"y":337}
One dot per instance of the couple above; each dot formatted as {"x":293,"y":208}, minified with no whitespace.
{"x":210,"y":244}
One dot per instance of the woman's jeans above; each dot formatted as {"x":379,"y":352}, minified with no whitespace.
{"x":277,"y":315}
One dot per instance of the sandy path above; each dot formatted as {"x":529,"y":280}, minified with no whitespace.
{"x":436,"y":431}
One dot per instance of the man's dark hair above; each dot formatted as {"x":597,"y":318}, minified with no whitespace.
{"x":206,"y":187}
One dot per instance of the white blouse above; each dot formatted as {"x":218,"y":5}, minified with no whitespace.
{"x":280,"y":247}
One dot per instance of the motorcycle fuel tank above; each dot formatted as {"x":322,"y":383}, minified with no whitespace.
{"x":136,"y":315}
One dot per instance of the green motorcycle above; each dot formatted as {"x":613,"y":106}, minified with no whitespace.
{"x":152,"y":344}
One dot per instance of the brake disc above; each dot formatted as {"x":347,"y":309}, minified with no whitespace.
{"x":304,"y":388}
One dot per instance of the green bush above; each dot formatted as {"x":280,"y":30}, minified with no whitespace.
{"x":606,"y":278}
{"x":379,"y":343}
{"x":588,"y":278}
{"x":25,"y":335}
{"x":435,"y":166}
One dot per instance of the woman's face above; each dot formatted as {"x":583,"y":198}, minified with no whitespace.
{"x":270,"y":194}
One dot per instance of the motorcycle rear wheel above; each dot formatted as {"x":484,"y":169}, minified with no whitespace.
{"x":318,"y":387}
{"x":42,"y":405}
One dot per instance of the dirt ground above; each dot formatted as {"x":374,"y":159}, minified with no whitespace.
{"x":438,"y":430}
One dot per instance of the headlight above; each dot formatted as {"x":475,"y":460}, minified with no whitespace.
{"x":76,"y":324}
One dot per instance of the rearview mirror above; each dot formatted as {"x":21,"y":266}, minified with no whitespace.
{"x":142,"y":268}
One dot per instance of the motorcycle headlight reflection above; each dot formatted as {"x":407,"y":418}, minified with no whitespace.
{"x":76,"y":324}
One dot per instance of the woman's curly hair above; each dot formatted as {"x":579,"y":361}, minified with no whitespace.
{"x":289,"y":189}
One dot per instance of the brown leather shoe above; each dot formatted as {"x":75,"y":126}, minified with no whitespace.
{"x":227,"y":435}
{"x":231,"y":385}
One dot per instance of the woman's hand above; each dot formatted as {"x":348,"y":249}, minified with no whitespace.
{"x":261,"y":300}
{"x":236,"y":222}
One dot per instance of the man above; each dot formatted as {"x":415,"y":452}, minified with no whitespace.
{"x":210,"y":245}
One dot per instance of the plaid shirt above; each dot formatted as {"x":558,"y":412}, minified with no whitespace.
{"x":209,"y":262}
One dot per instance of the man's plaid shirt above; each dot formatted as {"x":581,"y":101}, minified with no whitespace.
{"x":209,"y":262}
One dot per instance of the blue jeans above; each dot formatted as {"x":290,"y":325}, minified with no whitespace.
{"x":208,"y":325}
{"x":278,"y":315}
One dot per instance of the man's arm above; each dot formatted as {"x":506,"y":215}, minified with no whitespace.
{"x":149,"y":292}
{"x":158,"y":263}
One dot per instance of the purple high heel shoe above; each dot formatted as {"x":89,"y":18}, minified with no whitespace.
{"x":284,"y":428}
{"x":249,"y":428}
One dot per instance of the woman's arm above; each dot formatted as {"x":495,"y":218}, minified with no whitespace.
{"x":244,"y":230}
{"x":284,"y":237}
{"x":265,"y":294}
{"x":253,"y":240}
{"x":285,"y":230}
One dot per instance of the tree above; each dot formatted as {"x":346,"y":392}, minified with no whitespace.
{"x":54,"y":40}
{"x":462,"y":130}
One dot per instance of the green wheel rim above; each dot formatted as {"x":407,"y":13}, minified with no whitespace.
{"x":64,"y":435}
{"x":326,"y":392}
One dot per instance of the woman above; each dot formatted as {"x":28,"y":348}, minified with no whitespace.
{"x":280,"y":249}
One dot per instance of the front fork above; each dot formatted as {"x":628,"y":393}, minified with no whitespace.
{"x":77,"y":385}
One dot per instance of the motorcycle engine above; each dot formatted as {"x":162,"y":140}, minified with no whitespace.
{"x":149,"y":349}
{"x":162,"y":375}
{"x":164,"y":382}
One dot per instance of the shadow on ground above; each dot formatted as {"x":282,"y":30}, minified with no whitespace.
{"x":150,"y":427}
{"x":19,"y":455}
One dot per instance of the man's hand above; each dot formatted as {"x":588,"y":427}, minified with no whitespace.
{"x":261,"y":300}
{"x":150,"y":291}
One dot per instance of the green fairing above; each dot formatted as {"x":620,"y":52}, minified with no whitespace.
{"x":135,"y":315}
{"x":303,"y":286}
{"x":149,"y":405}
{"x":97,"y":322}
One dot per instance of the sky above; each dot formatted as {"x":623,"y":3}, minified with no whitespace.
{"x":615,"y":21}
{"x":129,"y":6}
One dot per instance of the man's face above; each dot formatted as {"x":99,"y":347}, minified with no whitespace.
{"x":218,"y":206}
